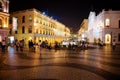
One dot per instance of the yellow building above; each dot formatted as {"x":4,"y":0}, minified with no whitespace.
{"x":4,"y":20}
{"x":82,"y":33}
{"x":34,"y":25}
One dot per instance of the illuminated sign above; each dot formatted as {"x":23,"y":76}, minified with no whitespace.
{"x":14,"y":23}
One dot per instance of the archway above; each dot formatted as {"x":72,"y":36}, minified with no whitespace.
{"x":107,"y":38}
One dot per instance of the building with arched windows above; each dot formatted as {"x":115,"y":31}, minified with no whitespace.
{"x":31,"y":24}
{"x":104,"y":26}
{"x":4,"y":20}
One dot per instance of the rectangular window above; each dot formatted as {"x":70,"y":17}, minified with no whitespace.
{"x":23,"y":19}
{"x":107,"y":22}
{"x":30,"y":18}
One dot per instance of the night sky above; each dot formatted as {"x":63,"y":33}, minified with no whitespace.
{"x":69,"y":12}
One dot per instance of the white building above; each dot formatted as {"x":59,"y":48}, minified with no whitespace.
{"x":83,"y":31}
{"x":105,"y":26}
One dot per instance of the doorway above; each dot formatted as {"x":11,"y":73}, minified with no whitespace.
{"x":108,"y":39}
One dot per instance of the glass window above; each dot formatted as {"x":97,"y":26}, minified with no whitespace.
{"x":23,"y":19}
{"x":107,"y":22}
{"x":30,"y":18}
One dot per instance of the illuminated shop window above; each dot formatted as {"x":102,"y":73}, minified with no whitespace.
{"x":107,"y":22}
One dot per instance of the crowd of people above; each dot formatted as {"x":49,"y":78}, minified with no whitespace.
{"x":19,"y":45}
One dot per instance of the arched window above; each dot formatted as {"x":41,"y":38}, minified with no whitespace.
{"x":23,"y":29}
{"x":23,"y":19}
{"x":107,"y":22}
{"x":36,"y":30}
{"x":30,"y":18}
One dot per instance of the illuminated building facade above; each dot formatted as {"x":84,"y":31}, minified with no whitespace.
{"x":34,"y":25}
{"x":105,"y":26}
{"x":4,"y":20}
{"x":82,"y":32}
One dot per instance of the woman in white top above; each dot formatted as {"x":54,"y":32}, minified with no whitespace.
{"x":39,"y":45}
{"x":113,"y":44}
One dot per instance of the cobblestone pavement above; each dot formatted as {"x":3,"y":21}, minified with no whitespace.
{"x":91,"y":64}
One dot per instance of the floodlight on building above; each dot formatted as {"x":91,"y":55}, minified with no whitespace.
{"x":51,"y":17}
{"x":43,"y":13}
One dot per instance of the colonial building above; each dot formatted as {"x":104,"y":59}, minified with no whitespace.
{"x":31,"y":24}
{"x":104,"y":27}
{"x":4,"y":20}
{"x":82,"y":32}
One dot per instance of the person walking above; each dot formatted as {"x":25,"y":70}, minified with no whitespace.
{"x":3,"y":45}
{"x":113,"y":44}
{"x":17,"y":45}
{"x":40,"y":45}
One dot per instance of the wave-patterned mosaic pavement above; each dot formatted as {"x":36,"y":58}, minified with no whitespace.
{"x":91,"y":64}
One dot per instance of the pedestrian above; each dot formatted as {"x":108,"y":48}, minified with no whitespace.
{"x":34,"y":46}
{"x":17,"y":45}
{"x":21,"y":45}
{"x":40,"y":45}
{"x":3,"y":45}
{"x":113,"y":44}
